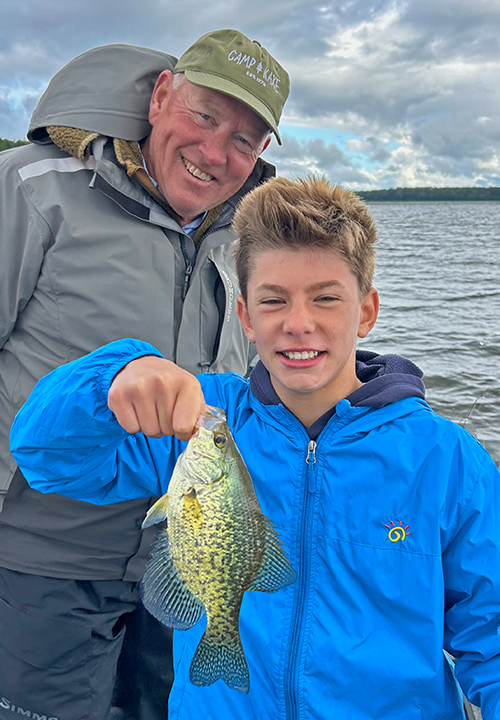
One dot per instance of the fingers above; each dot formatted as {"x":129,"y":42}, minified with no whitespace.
{"x":184,"y":418}
{"x":127,"y":417}
{"x":178,"y":406}
{"x":153,"y":396}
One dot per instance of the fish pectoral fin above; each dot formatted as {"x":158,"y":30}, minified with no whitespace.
{"x":156,"y":512}
{"x":192,"y":513}
{"x":275,"y":571}
{"x":163,"y":591}
{"x":213,"y":661}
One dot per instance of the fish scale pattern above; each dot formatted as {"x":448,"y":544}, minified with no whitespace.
{"x":219,"y":544}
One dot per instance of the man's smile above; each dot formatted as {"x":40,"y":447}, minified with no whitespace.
{"x":196,"y":171}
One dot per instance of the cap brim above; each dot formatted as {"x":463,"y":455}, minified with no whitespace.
{"x":214,"y":82}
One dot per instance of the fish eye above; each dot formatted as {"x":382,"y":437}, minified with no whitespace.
{"x":220,"y":440}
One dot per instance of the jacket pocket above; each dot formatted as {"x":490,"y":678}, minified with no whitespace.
{"x":42,"y":641}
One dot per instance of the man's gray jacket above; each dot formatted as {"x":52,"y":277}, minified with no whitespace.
{"x":87,"y":256}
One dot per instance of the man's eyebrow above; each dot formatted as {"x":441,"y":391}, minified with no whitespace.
{"x":270,"y":287}
{"x":207,"y":105}
{"x":255,"y":130}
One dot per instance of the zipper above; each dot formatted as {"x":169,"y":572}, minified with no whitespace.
{"x":187,"y":279}
{"x":189,"y":264}
{"x":311,"y":462}
{"x":294,"y":645}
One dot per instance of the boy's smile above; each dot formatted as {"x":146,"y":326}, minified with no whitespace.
{"x":304,"y":313}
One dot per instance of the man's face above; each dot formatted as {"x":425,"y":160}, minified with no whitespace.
{"x":305,"y":314}
{"x":203,"y":145}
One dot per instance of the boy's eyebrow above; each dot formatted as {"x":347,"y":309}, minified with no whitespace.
{"x":270,"y":287}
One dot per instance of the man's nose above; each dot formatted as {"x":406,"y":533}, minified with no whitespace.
{"x":214,"y":148}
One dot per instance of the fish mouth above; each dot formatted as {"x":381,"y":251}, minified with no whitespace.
{"x":205,"y":480}
{"x":199,"y":455}
{"x":189,"y":466}
{"x":210,"y":417}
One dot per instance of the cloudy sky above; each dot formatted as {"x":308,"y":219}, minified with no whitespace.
{"x":384,"y":93}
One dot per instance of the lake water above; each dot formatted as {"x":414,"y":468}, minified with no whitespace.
{"x":438,"y":276}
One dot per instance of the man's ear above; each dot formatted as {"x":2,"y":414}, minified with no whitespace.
{"x":244,"y":316}
{"x":369,"y":312}
{"x":161,"y":91}
{"x":266,"y":143}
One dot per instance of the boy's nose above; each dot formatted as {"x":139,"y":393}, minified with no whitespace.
{"x":299,"y":321}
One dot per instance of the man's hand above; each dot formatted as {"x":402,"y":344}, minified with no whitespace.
{"x":156,"y":397}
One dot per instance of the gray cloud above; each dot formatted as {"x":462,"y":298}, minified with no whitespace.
{"x":297,"y":158}
{"x":420,"y":73}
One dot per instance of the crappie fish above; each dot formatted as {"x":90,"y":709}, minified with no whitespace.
{"x":217,"y":545}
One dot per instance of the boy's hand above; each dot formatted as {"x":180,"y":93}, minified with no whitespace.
{"x":156,"y":397}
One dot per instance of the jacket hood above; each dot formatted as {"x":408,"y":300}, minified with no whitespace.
{"x":386,"y":379}
{"x":106,"y":90}
{"x":262,"y":171}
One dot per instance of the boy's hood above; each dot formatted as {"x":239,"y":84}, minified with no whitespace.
{"x":106,"y":90}
{"x":386,"y":379}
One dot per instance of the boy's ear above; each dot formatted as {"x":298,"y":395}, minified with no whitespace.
{"x":369,"y":312}
{"x":244,"y":316}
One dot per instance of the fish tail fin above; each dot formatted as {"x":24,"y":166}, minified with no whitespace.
{"x":213,"y":660}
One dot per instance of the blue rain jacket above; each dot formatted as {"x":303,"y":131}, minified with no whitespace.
{"x":393,"y":526}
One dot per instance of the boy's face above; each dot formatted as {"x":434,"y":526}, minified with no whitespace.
{"x":305,"y":314}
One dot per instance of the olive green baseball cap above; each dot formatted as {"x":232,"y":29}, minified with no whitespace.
{"x":227,"y":61}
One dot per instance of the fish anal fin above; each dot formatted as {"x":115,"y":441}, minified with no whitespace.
{"x":275,"y":571}
{"x":156,"y":512}
{"x":213,"y":661}
{"x":163,"y":591}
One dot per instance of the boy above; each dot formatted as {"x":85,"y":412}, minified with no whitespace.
{"x":389,"y":513}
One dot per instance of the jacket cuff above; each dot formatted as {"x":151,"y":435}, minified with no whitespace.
{"x":115,"y":356}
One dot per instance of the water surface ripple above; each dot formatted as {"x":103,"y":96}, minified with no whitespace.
{"x":438,"y":274}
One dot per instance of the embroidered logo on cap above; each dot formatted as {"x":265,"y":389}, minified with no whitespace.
{"x":228,"y":62}
{"x":265,"y":74}
{"x":397,"y":533}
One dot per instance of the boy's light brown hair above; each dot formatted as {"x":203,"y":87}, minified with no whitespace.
{"x":305,"y":213}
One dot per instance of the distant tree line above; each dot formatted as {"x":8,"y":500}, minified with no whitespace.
{"x":431,"y":193}
{"x":391,"y":195}
{"x":6,"y":144}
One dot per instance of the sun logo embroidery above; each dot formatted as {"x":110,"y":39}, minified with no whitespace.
{"x":397,"y":533}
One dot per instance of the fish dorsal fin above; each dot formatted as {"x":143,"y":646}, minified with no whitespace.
{"x":163,"y":591}
{"x":275,"y":571}
{"x":156,"y":512}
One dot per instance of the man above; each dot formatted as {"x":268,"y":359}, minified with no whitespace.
{"x":389,"y":514}
{"x":114,"y":226}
